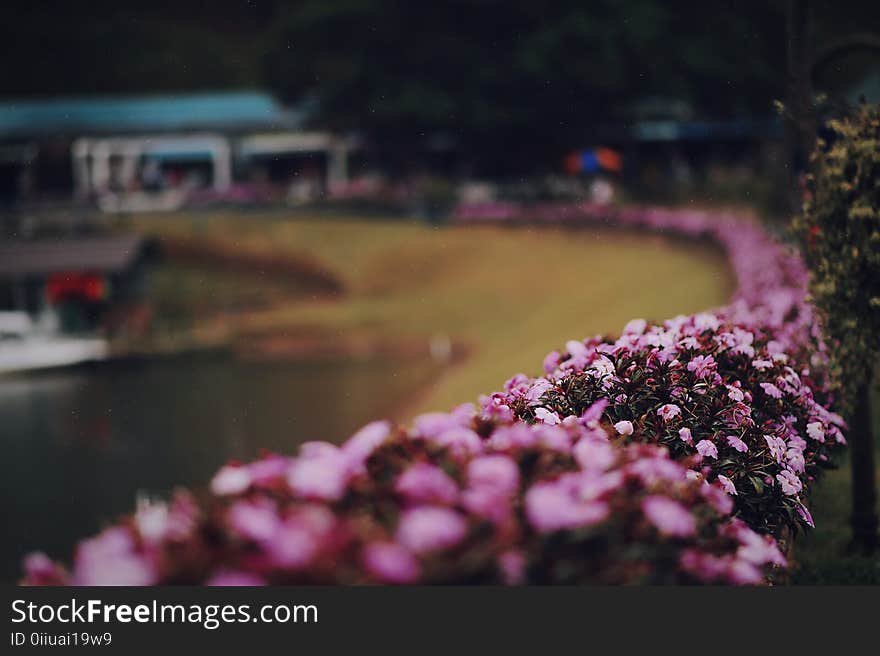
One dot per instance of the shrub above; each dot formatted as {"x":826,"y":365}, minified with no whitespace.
{"x":704,"y":389}
{"x":840,"y":232}
{"x":457,"y":499}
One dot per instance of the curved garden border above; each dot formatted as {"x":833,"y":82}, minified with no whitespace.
{"x":680,"y":452}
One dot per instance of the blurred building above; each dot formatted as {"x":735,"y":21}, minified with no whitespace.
{"x":663,"y":149}
{"x":153,"y":152}
{"x":61,"y":299}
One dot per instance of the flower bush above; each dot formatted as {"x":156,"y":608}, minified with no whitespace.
{"x":679,"y":453}
{"x":455,"y":499}
{"x":746,"y":388}
{"x":706,"y":390}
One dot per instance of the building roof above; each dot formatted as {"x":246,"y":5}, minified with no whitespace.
{"x":706,"y":130}
{"x":671,"y":130}
{"x":160,"y":113}
{"x":99,"y":254}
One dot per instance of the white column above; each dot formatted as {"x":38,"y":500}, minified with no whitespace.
{"x":222,"y":166}
{"x":337,"y":166}
{"x":100,"y":166}
{"x":80,"y":163}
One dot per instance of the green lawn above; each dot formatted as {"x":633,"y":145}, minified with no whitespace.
{"x":822,"y":555}
{"x":510,"y":295}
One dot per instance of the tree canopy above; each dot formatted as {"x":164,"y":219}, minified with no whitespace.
{"x":486,"y":72}
{"x":508,"y":80}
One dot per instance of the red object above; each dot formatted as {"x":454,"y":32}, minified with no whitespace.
{"x":572,"y":163}
{"x":609,"y":159}
{"x":74,"y":285}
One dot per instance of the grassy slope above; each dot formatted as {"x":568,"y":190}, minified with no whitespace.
{"x":512,"y":295}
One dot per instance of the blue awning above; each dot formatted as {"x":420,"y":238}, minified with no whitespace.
{"x":74,"y":116}
{"x":706,"y":130}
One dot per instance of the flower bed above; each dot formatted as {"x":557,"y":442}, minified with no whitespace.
{"x":680,"y":452}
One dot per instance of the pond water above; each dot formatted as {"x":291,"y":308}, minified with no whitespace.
{"x":80,"y":444}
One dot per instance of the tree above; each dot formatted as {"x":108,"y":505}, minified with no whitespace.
{"x":514,"y":83}
{"x":840,"y":231}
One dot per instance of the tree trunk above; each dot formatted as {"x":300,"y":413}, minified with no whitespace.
{"x":864,"y":484}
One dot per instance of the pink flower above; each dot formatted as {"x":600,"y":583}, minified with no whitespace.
{"x":487,"y":503}
{"x":575,"y":348}
{"x":591,"y":416}
{"x":735,"y":393}
{"x":771,"y":390}
{"x":551,"y":437}
{"x":706,"y":321}
{"x":512,"y":565}
{"x":320,"y":474}
{"x":361,"y":445}
{"x":430,"y":528}
{"x":231,"y":479}
{"x":727,"y":484}
{"x":547,"y":416}
{"x":707,"y":449}
{"x":537,"y":390}
{"x":805,"y":515}
{"x":594,"y":454}
{"x":424,"y":483}
{"x":294,"y":544}
{"x":790,"y":483}
{"x":152,"y":522}
{"x":551,"y":361}
{"x":624,"y":427}
{"x":496,"y":472}
{"x":255,"y":520}
{"x":40,"y":570}
{"x":492,"y":482}
{"x":460,"y":441}
{"x":268,"y":470}
{"x":668,"y":411}
{"x":717,"y":498}
{"x":554,"y":506}
{"x":816,"y":431}
{"x":744,"y":573}
{"x":702,"y":366}
{"x":685,"y":436}
{"x":432,"y":424}
{"x":776,"y":446}
{"x":796,"y":461}
{"x":110,"y":558}
{"x":668,"y":516}
{"x":391,"y":563}
{"x":755,"y":549}
{"x":635,"y":327}
{"x":494,"y":408}
{"x":740,"y":415}
{"x":737,"y":443}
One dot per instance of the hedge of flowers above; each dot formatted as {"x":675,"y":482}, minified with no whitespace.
{"x":682,"y":452}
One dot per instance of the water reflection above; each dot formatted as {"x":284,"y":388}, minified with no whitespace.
{"x":80,"y":444}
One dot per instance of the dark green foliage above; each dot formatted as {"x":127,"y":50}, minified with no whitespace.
{"x":840,"y":232}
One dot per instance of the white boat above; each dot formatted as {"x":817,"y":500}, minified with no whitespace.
{"x":24,"y":346}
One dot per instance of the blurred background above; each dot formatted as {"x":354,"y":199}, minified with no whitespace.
{"x":225,"y":227}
